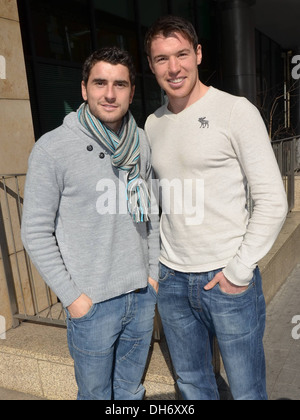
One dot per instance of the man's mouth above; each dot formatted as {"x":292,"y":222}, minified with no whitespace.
{"x":176,"y":82}
{"x":109,"y":107}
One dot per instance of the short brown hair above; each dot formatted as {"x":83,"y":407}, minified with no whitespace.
{"x":167,"y":26}
{"x":111,"y":55}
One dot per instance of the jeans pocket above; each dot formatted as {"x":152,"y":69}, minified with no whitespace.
{"x":164,"y":273}
{"x":85,"y":317}
{"x":237,"y":295}
{"x":234,"y":315}
{"x":87,"y":335}
{"x":152,"y":291}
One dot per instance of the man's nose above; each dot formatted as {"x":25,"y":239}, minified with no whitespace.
{"x":174,"y":65}
{"x":110,"y":94}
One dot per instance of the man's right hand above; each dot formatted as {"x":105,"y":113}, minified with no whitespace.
{"x":80,"y":307}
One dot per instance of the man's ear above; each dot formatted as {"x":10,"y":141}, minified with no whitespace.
{"x":199,"y":54}
{"x":150,"y":64}
{"x":83,"y":91}
{"x":132,"y":94}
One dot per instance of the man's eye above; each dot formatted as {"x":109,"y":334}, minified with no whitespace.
{"x":161,"y":59}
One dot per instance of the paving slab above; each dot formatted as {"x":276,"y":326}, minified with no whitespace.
{"x":282,"y":341}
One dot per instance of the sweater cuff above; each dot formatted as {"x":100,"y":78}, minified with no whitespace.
{"x":68,"y":295}
{"x":154,"y":272}
{"x":237,"y":273}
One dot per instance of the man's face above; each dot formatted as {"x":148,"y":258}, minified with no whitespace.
{"x":175,"y":63}
{"x":109,"y":93}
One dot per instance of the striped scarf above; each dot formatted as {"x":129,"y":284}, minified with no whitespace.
{"x":125,"y":149}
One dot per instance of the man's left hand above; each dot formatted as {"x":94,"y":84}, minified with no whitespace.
{"x":154,"y":284}
{"x":225,"y":285}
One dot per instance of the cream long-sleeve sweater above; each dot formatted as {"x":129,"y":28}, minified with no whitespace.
{"x":206,"y":155}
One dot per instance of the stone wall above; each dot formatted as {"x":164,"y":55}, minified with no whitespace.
{"x":16,"y":128}
{"x":16,"y":135}
{"x":297,"y":193}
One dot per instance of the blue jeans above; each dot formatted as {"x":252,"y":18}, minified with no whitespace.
{"x":192,"y":317}
{"x":110,"y":346}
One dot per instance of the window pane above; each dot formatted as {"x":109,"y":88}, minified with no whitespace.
{"x":183,"y":8}
{"x":61,"y":29}
{"x":115,"y":26}
{"x":59,"y":92}
{"x":121,"y":8}
{"x":152,"y":10}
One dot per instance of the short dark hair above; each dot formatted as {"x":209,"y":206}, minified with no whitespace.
{"x":167,"y":26}
{"x":111,"y":55}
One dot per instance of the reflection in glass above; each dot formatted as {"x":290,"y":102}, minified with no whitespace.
{"x":61,"y":29}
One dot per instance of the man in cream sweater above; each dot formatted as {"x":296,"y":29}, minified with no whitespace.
{"x":212,"y":144}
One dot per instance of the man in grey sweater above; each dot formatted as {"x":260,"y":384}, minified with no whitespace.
{"x":88,"y":230}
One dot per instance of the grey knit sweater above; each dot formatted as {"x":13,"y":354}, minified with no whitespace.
{"x":75,"y":225}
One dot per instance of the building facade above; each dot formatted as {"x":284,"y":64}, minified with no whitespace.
{"x":59,"y":35}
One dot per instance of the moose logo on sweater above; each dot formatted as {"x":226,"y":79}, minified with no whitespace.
{"x":204,"y":122}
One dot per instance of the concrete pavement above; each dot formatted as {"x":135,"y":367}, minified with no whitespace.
{"x":282,"y":341}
